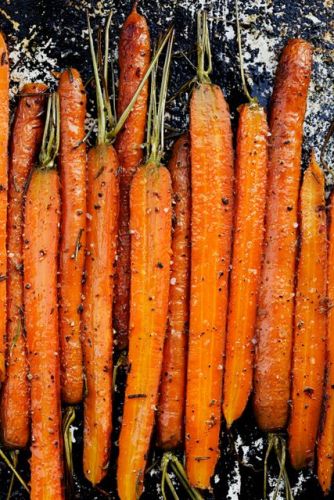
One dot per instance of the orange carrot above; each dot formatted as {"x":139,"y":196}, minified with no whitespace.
{"x":172,"y":388}
{"x":25,"y":142}
{"x":4,"y":133}
{"x":73,"y":180}
{"x":40,"y":256}
{"x":211,"y":224}
{"x":276,"y":297}
{"x":310,"y":320}
{"x":134,"y":58}
{"x":150,"y":226}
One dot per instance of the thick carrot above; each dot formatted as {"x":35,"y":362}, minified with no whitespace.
{"x":134,"y":59}
{"x":251,"y":179}
{"x":276,"y":298}
{"x":40,"y":256}
{"x":73,"y":229}
{"x":310,"y":320}
{"x":25,"y":143}
{"x":211,"y":224}
{"x":4,"y":134}
{"x":172,"y":388}
{"x":150,"y":226}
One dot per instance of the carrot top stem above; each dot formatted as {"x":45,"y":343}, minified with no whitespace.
{"x":277,"y":443}
{"x":12,"y":467}
{"x":204,"y":59}
{"x":251,"y":99}
{"x":68,"y":419}
{"x":51,"y":136}
{"x":178,"y":470}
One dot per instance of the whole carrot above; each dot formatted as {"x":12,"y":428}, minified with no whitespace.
{"x":4,"y":134}
{"x":25,"y":142}
{"x":134,"y":60}
{"x":310,"y":320}
{"x":251,"y":180}
{"x":276,"y":298}
{"x":172,"y":388}
{"x":73,"y":229}
{"x":211,"y":225}
{"x":40,"y":256}
{"x":150,"y":226}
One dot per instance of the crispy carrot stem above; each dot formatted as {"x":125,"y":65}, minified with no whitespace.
{"x":251,"y":179}
{"x":134,"y":59}
{"x":310,"y":320}
{"x":172,"y":388}
{"x":73,"y":228}
{"x":4,"y":133}
{"x":276,"y":298}
{"x":25,"y":143}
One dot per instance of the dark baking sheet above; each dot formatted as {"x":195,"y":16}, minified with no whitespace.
{"x":48,"y":35}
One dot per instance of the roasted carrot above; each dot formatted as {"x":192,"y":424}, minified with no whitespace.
{"x":211,"y":224}
{"x":276,"y":297}
{"x":150,"y":226}
{"x":40,"y":257}
{"x":134,"y":59}
{"x":310,"y":320}
{"x":25,"y":143}
{"x":251,"y":181}
{"x":4,"y":134}
{"x":172,"y":387}
{"x":73,"y":229}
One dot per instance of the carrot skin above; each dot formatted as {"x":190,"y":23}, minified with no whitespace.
{"x":134,"y":60}
{"x":73,"y":228}
{"x":102,"y":208}
{"x":4,"y":134}
{"x":150,"y":225}
{"x":310,"y":320}
{"x":26,"y":138}
{"x":41,"y":238}
{"x":251,"y":180}
{"x":325,"y":447}
{"x":172,"y":387}
{"x":211,"y":223}
{"x":276,"y":298}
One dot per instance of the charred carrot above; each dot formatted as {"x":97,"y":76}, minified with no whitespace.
{"x":40,"y":257}
{"x":73,"y":228}
{"x":172,"y":387}
{"x":150,"y":226}
{"x":4,"y":134}
{"x":134,"y":59}
{"x":310,"y":320}
{"x":211,"y":224}
{"x":276,"y":297}
{"x":25,"y":143}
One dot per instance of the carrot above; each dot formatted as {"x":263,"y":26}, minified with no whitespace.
{"x":276,"y":297}
{"x":172,"y":388}
{"x":251,"y":180}
{"x":4,"y":134}
{"x":73,"y":225}
{"x":102,"y":230}
{"x":310,"y":320}
{"x":134,"y":59}
{"x":150,"y":226}
{"x":40,"y":256}
{"x":211,"y":224}
{"x":25,"y":142}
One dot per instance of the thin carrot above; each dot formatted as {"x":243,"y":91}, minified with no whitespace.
{"x":73,"y":229}
{"x":134,"y":60}
{"x":40,"y":257}
{"x":276,"y":298}
{"x":172,"y":388}
{"x":211,"y":225}
{"x":310,"y":320}
{"x":251,"y":180}
{"x":150,"y":226}
{"x":4,"y":134}
{"x":25,"y":142}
